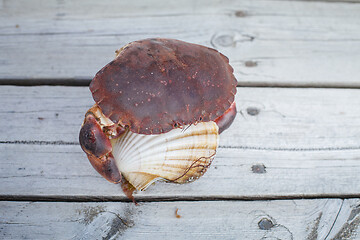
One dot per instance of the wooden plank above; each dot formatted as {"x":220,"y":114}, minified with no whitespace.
{"x":284,"y":143}
{"x":58,"y":171}
{"x":299,"y":219}
{"x":268,"y":118}
{"x":293,"y":43}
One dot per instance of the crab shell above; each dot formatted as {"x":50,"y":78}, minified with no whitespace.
{"x":155,"y":85}
{"x":169,"y":98}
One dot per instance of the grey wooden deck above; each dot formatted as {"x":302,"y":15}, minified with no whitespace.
{"x":288,"y":168}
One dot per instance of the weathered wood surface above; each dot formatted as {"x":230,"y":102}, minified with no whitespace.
{"x":284,"y":143}
{"x":64,"y":172}
{"x":296,"y":119}
{"x":292,"y":43}
{"x":287,"y":220}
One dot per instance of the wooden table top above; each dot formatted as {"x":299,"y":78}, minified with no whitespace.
{"x":288,"y":167}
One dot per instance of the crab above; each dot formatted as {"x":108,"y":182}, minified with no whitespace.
{"x":156,"y":88}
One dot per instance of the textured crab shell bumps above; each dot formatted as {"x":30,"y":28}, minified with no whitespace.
{"x":155,"y":85}
{"x":167,"y":94}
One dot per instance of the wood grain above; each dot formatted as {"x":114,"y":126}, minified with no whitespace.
{"x":269,"y":43}
{"x":299,"y":219}
{"x":284,"y":143}
{"x":63,"y":172}
{"x":268,"y":118}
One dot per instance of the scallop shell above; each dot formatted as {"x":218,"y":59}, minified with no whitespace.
{"x":180,"y":155}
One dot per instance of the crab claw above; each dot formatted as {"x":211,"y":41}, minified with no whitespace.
{"x":225,"y":120}
{"x":97,"y":147}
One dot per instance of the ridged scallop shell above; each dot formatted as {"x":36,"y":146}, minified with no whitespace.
{"x":180,"y":155}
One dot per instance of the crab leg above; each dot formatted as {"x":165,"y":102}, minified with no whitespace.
{"x":225,"y":120}
{"x":98,"y":149}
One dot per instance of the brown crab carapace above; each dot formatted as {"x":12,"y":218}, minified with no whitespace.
{"x":150,"y":90}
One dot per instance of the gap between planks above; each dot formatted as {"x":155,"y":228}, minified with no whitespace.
{"x":139,"y":199}
{"x":63,"y":143}
{"x":85,"y":83}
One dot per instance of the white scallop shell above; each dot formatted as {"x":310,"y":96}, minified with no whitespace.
{"x":180,"y":156}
